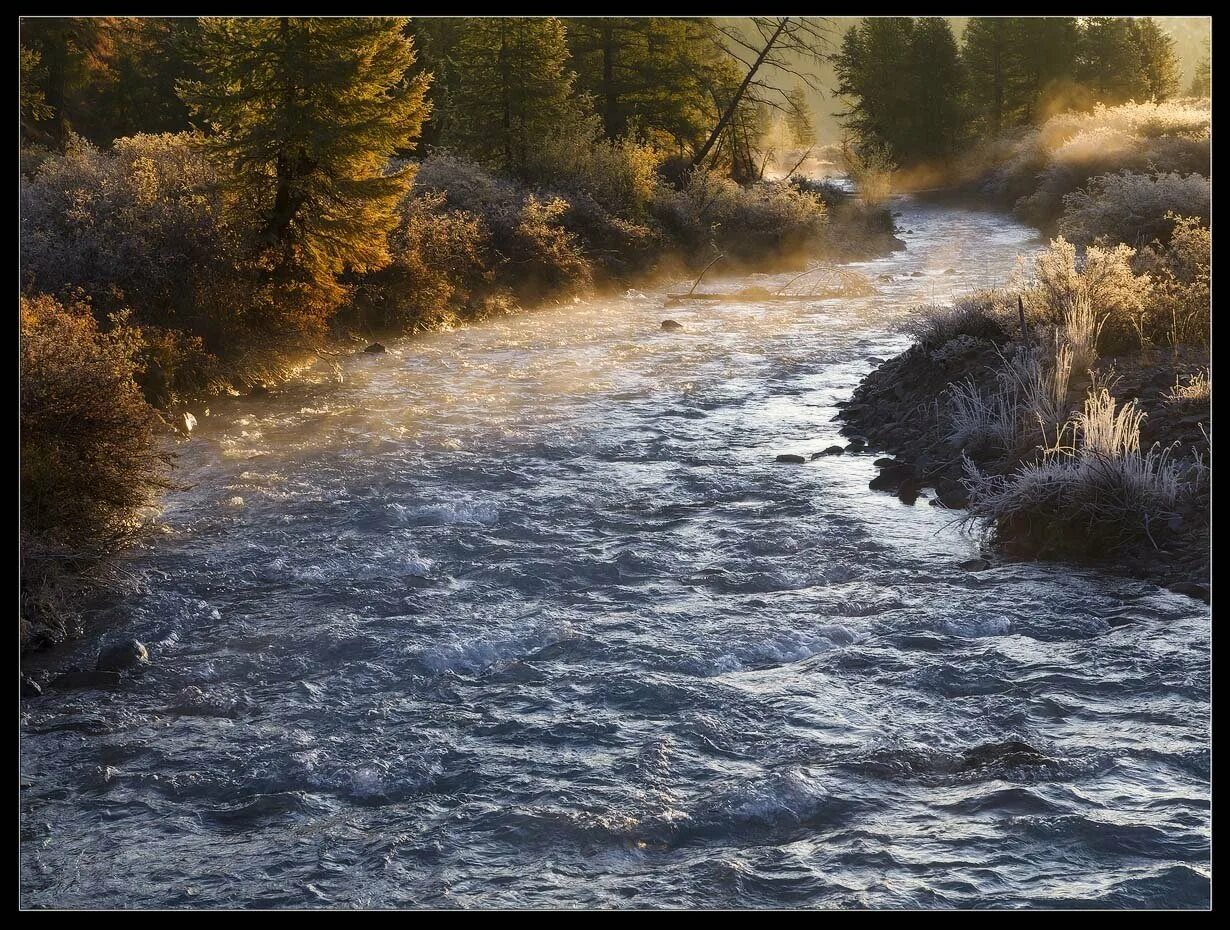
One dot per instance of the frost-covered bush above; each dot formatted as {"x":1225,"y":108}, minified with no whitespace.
{"x":767,"y":219}
{"x":534,"y":254}
{"x":1094,"y":297}
{"x":1196,"y":391}
{"x":1034,"y":170}
{"x":140,"y":225}
{"x":1086,"y":499}
{"x":959,"y":347}
{"x":1133,"y":208}
{"x":982,"y":316}
{"x":1180,"y":311}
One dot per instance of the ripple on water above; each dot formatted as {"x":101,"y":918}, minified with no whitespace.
{"x":526,"y":614}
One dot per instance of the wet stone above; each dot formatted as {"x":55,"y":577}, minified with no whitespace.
{"x":790,"y":459}
{"x":671,"y":325}
{"x":122,"y":656}
{"x":1191,"y":589}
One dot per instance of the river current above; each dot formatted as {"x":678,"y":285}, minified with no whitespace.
{"x":526,"y":614}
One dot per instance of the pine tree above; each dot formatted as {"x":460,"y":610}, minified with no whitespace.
{"x":1159,"y":66}
{"x":513,"y":88}
{"x":987,"y":55}
{"x":904,"y":84}
{"x":653,"y":73}
{"x":1202,"y":79}
{"x":869,"y":69}
{"x":306,"y":114}
{"x":1109,"y":60}
{"x":1044,"y":60}
{"x":936,"y":90}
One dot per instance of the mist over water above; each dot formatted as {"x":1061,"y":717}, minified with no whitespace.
{"x":525,"y":614}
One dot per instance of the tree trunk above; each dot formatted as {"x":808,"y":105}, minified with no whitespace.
{"x":734,"y":103}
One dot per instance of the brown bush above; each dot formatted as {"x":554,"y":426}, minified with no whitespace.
{"x":89,"y":450}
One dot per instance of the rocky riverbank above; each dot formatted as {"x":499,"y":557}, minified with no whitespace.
{"x":903,"y":409}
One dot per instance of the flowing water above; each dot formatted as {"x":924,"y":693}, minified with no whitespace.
{"x":526,"y":614}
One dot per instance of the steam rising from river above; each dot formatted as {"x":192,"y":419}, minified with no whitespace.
{"x":525,"y":614}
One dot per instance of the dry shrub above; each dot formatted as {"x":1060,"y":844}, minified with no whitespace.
{"x":439,"y":267}
{"x":89,"y":449}
{"x":1181,"y":309}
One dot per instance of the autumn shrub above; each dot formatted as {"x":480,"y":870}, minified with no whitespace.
{"x":81,"y":408}
{"x":90,"y":453}
{"x":439,"y":268}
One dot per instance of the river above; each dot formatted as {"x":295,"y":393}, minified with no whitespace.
{"x":525,"y":614}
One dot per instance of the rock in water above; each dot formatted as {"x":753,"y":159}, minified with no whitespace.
{"x":375,"y":349}
{"x":831,"y":450}
{"x":187,"y":423}
{"x":671,"y":325}
{"x":975,"y":565}
{"x":71,"y":681}
{"x":119,"y":657}
{"x":791,"y":459}
{"x":1192,"y":589}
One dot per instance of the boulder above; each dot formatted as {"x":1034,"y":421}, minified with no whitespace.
{"x":375,"y":349}
{"x":122,"y":656}
{"x":831,"y":450}
{"x":791,"y":459}
{"x":907,"y":493}
{"x":1191,"y":589}
{"x":974,"y":565}
{"x":671,"y":325}
{"x":186,"y":423}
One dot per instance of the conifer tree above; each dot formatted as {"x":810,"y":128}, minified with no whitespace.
{"x":1202,"y":79}
{"x":987,"y":54}
{"x":513,"y":87}
{"x":306,"y":114}
{"x":1159,"y":66}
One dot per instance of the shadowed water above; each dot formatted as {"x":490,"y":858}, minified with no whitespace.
{"x":525,"y":614}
